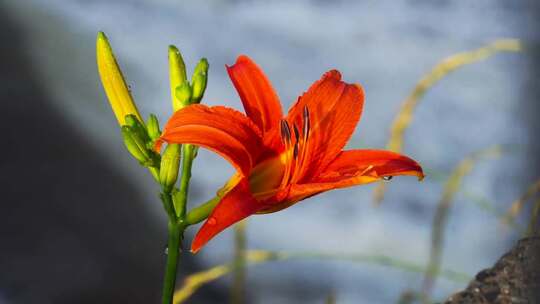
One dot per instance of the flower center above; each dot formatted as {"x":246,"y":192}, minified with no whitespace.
{"x":295,"y":148}
{"x":275,"y":173}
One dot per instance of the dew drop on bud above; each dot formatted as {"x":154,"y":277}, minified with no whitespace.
{"x":387,"y":178}
{"x":212,"y":221}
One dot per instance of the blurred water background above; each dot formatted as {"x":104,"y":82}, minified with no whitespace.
{"x":384,"y":45}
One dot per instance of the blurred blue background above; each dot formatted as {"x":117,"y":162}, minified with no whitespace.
{"x":84,"y":225}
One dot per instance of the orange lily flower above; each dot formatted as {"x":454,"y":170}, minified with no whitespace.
{"x":281,"y":160}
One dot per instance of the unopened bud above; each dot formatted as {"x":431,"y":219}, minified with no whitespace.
{"x":183,"y":95}
{"x":199,"y":81}
{"x":113,"y":81}
{"x":170,"y":162}
{"x":202,"y":66}
{"x":177,"y":73}
{"x":152,"y":126}
{"x":137,"y":127}
{"x":136,"y":146}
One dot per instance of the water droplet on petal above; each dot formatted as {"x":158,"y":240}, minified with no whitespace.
{"x":387,"y":178}
{"x":212,"y":221}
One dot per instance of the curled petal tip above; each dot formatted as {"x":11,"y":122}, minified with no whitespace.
{"x":418,"y":171}
{"x":335,"y":74}
{"x":360,"y":88}
{"x":242,"y":57}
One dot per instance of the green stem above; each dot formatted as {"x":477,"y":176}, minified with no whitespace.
{"x":176,"y":231}
{"x":155,"y":173}
{"x":167,"y":201}
{"x":176,"y":209}
{"x":188,"y":155}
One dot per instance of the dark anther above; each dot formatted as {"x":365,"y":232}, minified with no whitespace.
{"x":296,"y":133}
{"x":295,"y":151}
{"x":305,"y":129}
{"x":285,"y":132}
{"x":282,"y":129}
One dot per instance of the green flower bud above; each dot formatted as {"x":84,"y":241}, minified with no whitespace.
{"x":152,"y":125}
{"x":202,"y":67}
{"x":170,"y":162}
{"x":199,"y":86}
{"x":183,"y":95}
{"x":136,"y":146}
{"x":199,"y":80}
{"x":136,"y":126}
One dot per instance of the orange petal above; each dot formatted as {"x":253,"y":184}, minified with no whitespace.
{"x":350,"y":168}
{"x":222,"y":130}
{"x":235,"y":206}
{"x":334,"y":110}
{"x":373,"y":163}
{"x":259,"y":98}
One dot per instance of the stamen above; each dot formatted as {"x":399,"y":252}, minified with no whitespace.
{"x":305,"y":129}
{"x":296,"y":133}
{"x":282,"y":132}
{"x":286,"y":138}
{"x":301,"y":147}
{"x":285,"y":132}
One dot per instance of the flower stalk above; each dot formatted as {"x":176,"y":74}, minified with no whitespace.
{"x":176,"y":232}
{"x":139,"y":139}
{"x":175,"y":199}
{"x":180,"y":198}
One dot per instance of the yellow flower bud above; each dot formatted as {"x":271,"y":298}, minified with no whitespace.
{"x":113,"y":81}
{"x":177,"y":74}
